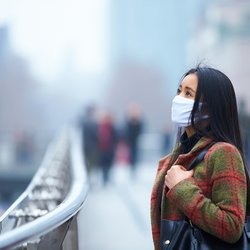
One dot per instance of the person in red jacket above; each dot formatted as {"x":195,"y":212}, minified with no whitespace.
{"x":214,"y":194}
{"x":107,"y":140}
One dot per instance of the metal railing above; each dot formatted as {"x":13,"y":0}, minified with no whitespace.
{"x":44,"y":216}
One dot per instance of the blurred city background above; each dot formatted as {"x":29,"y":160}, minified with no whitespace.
{"x":110,"y":67}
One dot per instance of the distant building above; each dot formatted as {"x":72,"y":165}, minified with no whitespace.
{"x":21,"y":120}
{"x":4,"y":42}
{"x":148,"y":53}
{"x":136,"y":83}
{"x":223,"y":39}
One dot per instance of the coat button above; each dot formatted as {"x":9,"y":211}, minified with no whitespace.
{"x":167,"y":242}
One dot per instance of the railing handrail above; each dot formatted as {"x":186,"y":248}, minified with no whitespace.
{"x":63,"y":212}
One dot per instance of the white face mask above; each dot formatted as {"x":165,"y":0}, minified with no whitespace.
{"x":181,"y":111}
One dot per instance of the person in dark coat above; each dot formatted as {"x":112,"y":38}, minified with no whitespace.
{"x":133,"y":131}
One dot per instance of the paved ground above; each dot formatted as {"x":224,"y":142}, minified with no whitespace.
{"x":117,"y":216}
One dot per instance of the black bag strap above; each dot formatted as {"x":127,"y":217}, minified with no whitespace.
{"x":199,"y":158}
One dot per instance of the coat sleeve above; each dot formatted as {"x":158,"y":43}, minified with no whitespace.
{"x":223,"y":214}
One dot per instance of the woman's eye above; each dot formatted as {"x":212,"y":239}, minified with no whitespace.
{"x":178,"y":91}
{"x":188,"y":93}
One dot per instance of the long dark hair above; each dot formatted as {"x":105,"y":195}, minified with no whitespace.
{"x":216,"y":93}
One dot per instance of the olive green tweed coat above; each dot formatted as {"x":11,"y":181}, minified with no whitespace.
{"x":214,"y":199}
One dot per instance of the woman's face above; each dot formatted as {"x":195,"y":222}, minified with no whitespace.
{"x":188,"y":86}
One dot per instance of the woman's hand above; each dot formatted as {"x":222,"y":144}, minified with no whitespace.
{"x":176,"y":174}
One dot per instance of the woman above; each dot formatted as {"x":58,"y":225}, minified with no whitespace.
{"x":213,"y":195}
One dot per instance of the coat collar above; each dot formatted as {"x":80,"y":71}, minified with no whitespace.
{"x":188,"y":157}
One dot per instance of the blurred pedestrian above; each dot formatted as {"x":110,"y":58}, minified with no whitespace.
{"x":89,"y":138}
{"x":133,"y":130}
{"x":107,"y":140}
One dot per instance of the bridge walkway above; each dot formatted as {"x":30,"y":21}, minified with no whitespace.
{"x":117,"y":216}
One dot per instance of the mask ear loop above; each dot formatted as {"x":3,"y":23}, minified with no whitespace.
{"x":195,"y":113}
{"x":200,"y":116}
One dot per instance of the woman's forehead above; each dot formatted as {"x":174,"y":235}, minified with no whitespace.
{"x":190,"y":81}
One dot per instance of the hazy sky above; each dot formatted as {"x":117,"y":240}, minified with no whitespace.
{"x":47,"y":31}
